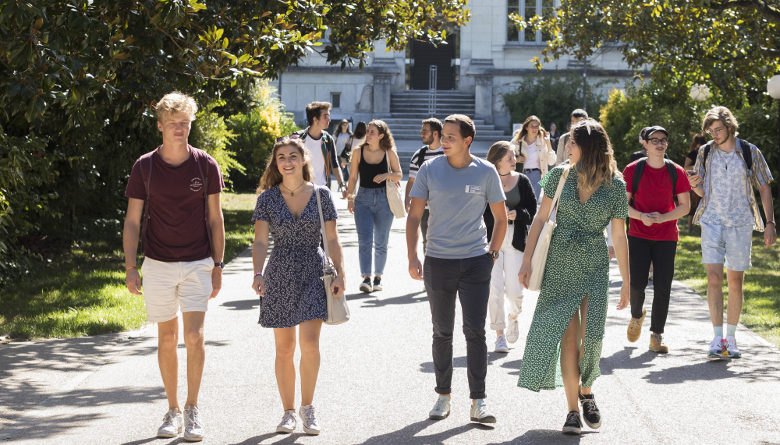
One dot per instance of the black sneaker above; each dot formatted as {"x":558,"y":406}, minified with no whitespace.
{"x":590,"y":412}
{"x":573,"y":425}
{"x":365,"y":286}
{"x":377,"y":283}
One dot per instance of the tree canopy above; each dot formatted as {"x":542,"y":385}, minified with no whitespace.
{"x":732,"y":46}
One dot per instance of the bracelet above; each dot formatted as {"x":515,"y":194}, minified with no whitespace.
{"x":131,"y":267}
{"x":771,"y":222}
{"x":259,"y":273}
{"x":351,"y":196}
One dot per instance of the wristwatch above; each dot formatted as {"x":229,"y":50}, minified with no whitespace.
{"x":494,"y":254}
{"x":221,"y":264}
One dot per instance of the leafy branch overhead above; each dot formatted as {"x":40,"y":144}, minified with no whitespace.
{"x":733,"y":46}
{"x":68,"y":52}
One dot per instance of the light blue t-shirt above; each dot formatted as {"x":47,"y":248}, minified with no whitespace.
{"x":457,"y":198}
{"x":727,"y":201}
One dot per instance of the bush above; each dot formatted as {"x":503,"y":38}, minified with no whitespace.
{"x":210,"y":133}
{"x":256,"y":131}
{"x":551,"y":99}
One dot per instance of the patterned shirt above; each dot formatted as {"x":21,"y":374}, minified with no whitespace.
{"x":429,"y":154}
{"x":757,"y":177}
{"x":729,"y":206}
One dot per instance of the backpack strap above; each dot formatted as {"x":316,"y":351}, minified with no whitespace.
{"x":201,"y":154}
{"x":638,"y":170}
{"x":707,"y":149}
{"x":146,"y":163}
{"x":421,"y":156}
{"x":747,"y":154}
{"x":672,"y":169}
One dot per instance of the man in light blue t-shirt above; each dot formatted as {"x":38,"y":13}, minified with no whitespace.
{"x":458,"y":262}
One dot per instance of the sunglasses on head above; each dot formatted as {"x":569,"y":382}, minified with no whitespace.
{"x":292,"y":136}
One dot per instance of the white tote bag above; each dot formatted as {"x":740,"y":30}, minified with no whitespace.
{"x":338,"y":311}
{"x":394,"y":197}
{"x":539,"y":259}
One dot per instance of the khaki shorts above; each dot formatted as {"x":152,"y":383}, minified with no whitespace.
{"x":169,"y":287}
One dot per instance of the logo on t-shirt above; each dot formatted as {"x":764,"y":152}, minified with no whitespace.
{"x":474,"y":189}
{"x":196,"y":184}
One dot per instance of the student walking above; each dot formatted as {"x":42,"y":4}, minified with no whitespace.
{"x":356,"y":140}
{"x":431,"y":136}
{"x":562,"y":155}
{"x":521,"y":208}
{"x":690,"y":161}
{"x":322,"y":149}
{"x":290,"y":289}
{"x":572,"y":308}
{"x":533,"y":149}
{"x":652,"y":183}
{"x":342,"y":135}
{"x":376,"y":161}
{"x":458,"y":262}
{"x":183,"y":243}
{"x":554,"y":136}
{"x":637,"y":155}
{"x":726,"y":171}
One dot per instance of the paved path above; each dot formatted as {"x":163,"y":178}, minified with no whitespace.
{"x":376,"y":380}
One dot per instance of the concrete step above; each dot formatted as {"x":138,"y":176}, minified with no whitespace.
{"x":439,"y":100}
{"x":425,"y":93}
{"x":392,"y":121}
{"x":422,"y":114}
{"x":414,"y":125}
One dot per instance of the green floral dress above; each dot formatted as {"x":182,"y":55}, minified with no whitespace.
{"x":577,"y":266}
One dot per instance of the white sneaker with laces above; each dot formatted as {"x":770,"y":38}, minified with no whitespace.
{"x":512,"y":331}
{"x":441,"y":409}
{"x":288,"y":422}
{"x":172,"y":425}
{"x":733,"y":350}
{"x":480,"y":412}
{"x":501,"y":344}
{"x":193,"y":428}
{"x":718,"y":348}
{"x":310,"y":424}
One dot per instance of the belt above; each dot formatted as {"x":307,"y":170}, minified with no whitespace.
{"x":531,"y":170}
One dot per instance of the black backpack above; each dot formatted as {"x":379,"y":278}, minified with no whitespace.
{"x":671,"y":167}
{"x":421,"y":156}
{"x":747,"y":153}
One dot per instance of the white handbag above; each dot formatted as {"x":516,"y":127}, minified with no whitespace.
{"x":539,"y":259}
{"x":394,"y":198}
{"x":338,"y":311}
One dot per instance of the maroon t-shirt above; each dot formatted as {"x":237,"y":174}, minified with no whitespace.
{"x":654,"y":194}
{"x":177,"y":227}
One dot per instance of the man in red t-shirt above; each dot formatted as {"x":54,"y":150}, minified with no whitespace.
{"x":184,"y":243}
{"x":653,"y":237}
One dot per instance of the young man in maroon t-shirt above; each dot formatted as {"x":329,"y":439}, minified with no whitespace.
{"x":653,"y":236}
{"x":183,"y":242}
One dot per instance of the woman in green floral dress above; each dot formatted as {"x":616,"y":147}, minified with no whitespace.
{"x":575,"y":288}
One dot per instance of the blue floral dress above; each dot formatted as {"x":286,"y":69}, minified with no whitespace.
{"x":294,"y":291}
{"x":577,"y":266}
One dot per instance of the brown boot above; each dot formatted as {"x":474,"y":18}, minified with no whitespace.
{"x":635,"y":327}
{"x":657,"y":344}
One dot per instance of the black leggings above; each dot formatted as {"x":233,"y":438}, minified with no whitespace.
{"x":643,"y":252}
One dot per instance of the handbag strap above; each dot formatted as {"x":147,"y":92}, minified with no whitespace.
{"x":558,"y":191}
{"x":322,"y":222}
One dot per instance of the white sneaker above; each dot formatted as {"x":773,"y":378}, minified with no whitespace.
{"x":501,"y":344}
{"x":732,"y":348}
{"x":718,"y":349}
{"x":441,"y":409}
{"x":288,"y":422}
{"x":310,"y":424}
{"x":480,"y":412}
{"x":512,"y":331}
{"x":193,"y":428}
{"x":173,"y":422}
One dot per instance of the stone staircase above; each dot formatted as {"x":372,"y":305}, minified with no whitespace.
{"x":409,"y":108}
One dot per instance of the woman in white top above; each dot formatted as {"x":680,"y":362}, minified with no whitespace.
{"x":341,"y":137}
{"x":532,"y":146}
{"x":355,"y":140}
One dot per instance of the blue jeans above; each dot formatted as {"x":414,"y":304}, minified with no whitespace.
{"x":373,"y":219}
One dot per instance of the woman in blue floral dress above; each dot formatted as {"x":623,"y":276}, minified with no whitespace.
{"x":292,"y":293}
{"x":571,"y":312}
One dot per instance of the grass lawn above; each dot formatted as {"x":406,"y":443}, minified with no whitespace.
{"x":761,"y":309}
{"x":82,"y":291}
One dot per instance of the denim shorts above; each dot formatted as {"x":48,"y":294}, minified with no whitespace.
{"x":730,"y":246}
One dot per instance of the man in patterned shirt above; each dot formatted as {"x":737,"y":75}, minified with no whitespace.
{"x":431,"y":136}
{"x":725,"y":173}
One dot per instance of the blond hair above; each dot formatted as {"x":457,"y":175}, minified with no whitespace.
{"x":722,"y":114}
{"x":174,"y":103}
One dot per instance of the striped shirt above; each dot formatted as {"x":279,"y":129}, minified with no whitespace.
{"x":758,"y":177}
{"x":414,"y":165}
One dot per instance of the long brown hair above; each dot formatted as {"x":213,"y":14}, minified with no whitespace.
{"x":386,"y":143}
{"x":524,"y":130}
{"x":272,"y":176}
{"x":597,"y":165}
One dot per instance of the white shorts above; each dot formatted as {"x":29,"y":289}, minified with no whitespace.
{"x":729,"y":245}
{"x":168,"y":287}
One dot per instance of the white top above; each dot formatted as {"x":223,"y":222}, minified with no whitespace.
{"x":341,"y":142}
{"x":317,"y":161}
{"x":532,"y":157}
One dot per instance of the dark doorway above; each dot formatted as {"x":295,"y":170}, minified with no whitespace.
{"x":423,"y":55}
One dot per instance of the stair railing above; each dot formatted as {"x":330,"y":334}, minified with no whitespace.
{"x":433,"y":76}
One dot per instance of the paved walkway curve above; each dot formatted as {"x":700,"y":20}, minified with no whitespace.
{"x":376,"y":380}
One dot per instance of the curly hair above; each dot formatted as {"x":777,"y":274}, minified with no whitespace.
{"x":597,"y":165}
{"x":272,"y":176}
{"x":387,"y":142}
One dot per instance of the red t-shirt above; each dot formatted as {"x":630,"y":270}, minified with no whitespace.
{"x":177,"y":226}
{"x":654,"y":194}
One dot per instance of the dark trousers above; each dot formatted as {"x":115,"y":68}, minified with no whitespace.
{"x":661,"y":255}
{"x":469,"y":279}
